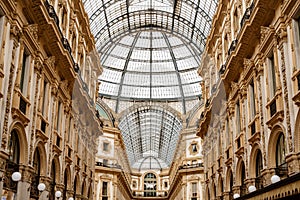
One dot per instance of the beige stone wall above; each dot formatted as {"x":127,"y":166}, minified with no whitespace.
{"x":45,"y":102}
{"x":251,"y":76}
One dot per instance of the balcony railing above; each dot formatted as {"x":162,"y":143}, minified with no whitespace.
{"x":207,"y":103}
{"x":247,"y":14}
{"x":232,"y":46}
{"x":259,"y":184}
{"x":189,"y":166}
{"x":149,"y":193}
{"x":8,"y":183}
{"x":282,"y":170}
{"x":34,"y":192}
{"x":52,"y":12}
{"x":117,"y":166}
{"x":214,"y":88}
{"x":243,"y":189}
{"x":222,"y":70}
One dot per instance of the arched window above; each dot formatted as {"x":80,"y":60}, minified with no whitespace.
{"x":281,"y":165}
{"x":34,"y":193}
{"x":280,"y":150}
{"x":9,"y":186}
{"x":150,"y":185}
{"x":258,"y":168}
{"x":14,"y":148}
{"x":243,"y":179}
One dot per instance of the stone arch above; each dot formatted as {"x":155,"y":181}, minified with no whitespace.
{"x":220,"y":188}
{"x":20,"y":130}
{"x":84,"y":188}
{"x":43,"y":158}
{"x":239,"y":171}
{"x":275,"y":133}
{"x":77,"y":184}
{"x":297,"y":133}
{"x":213,"y":190}
{"x":252,"y":165}
{"x":67,"y":181}
{"x":56,"y":164}
{"x":229,"y":180}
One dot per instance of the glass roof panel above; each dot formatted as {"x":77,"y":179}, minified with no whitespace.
{"x":150,"y":73}
{"x":150,"y":131}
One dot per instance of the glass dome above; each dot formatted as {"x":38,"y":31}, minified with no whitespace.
{"x":150,"y":65}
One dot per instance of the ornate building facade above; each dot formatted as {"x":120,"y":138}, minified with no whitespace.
{"x":250,"y":123}
{"x":116,"y":179}
{"x":48,"y":86}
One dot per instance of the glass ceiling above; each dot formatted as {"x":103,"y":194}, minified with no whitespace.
{"x":150,"y":65}
{"x":150,"y":134}
{"x":150,"y":51}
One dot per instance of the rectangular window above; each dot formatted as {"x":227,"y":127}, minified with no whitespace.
{"x":45,"y":97}
{"x":104,"y":188}
{"x":105,"y":146}
{"x":58,"y":117}
{"x":24,"y":72}
{"x":166,"y":184}
{"x":227,"y":132}
{"x":194,"y":189}
{"x":70,"y":129}
{"x":238,"y":118}
{"x":272,"y":76}
{"x":252,"y":100}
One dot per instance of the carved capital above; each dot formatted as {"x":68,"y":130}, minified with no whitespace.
{"x":33,"y":29}
{"x":50,"y":61}
{"x":263,"y":33}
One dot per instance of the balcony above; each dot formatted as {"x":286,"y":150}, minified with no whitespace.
{"x":259,"y":184}
{"x":222,"y":70}
{"x":243,"y":189}
{"x":115,"y":166}
{"x":52,"y":12}
{"x":247,"y":14}
{"x":189,"y":166}
{"x":8,"y":183}
{"x":66,"y":44}
{"x":232,"y":47}
{"x":282,"y":170}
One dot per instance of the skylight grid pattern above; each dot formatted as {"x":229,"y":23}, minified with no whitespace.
{"x":137,"y":66}
{"x":191,"y":89}
{"x":189,"y":77}
{"x":136,"y":79}
{"x":163,"y":80}
{"x":163,"y":67}
{"x":111,"y":76}
{"x":150,"y":131}
{"x":151,"y":13}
